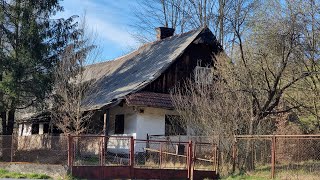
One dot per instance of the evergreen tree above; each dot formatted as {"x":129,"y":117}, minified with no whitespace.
{"x":30,"y":44}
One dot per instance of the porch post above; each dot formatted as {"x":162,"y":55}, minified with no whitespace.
{"x":106,"y":122}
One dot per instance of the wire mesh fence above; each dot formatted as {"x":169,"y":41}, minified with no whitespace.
{"x":205,"y":156}
{"x":117,"y":151}
{"x":253,"y":154}
{"x":297,"y":157}
{"x":174,"y":155}
{"x":87,"y":150}
{"x":35,"y":149}
{"x":147,"y":154}
{"x":100,"y":151}
{"x":279,"y":156}
{"x":161,"y":154}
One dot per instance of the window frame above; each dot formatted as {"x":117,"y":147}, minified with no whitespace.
{"x":203,"y":75}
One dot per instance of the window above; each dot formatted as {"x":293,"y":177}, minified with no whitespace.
{"x":203,"y":75}
{"x":173,"y":126}
{"x":45,"y":128}
{"x":35,"y":129}
{"x":119,"y":124}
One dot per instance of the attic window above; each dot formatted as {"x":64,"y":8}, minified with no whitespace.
{"x":203,"y":75}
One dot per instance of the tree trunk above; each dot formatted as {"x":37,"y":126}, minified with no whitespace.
{"x":3,"y":122}
{"x":249,"y":160}
{"x":10,"y":125}
{"x":7,"y":134}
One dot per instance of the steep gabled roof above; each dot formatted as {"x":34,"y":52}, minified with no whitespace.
{"x":132,"y":72}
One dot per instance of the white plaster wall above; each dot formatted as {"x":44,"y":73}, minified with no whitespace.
{"x":26,"y":129}
{"x":138,"y":122}
{"x":130,"y":119}
{"x":152,"y":122}
{"x":117,"y":145}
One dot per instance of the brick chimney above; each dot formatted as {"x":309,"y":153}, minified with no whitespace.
{"x":164,"y":32}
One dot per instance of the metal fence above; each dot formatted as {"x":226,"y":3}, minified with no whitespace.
{"x":99,"y":150}
{"x":35,"y":149}
{"x":279,"y":156}
{"x":150,"y":154}
{"x":101,"y":155}
{"x":276,"y":156}
{"x":161,"y":154}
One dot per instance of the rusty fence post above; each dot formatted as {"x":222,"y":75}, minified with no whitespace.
{"x":273,"y":156}
{"x":101,"y":144}
{"x":131,"y":152}
{"x":160,"y":155}
{"x":190,"y":154}
{"x":12,"y":147}
{"x":194,"y":156}
{"x":215,"y":157}
{"x":218,"y":155}
{"x":70,"y":151}
{"x":234,"y":155}
{"x":132,"y":157}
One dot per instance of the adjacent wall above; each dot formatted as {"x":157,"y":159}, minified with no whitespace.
{"x":140,"y":121}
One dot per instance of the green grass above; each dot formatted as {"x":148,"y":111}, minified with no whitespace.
{"x":6,"y":174}
{"x":306,"y":170}
{"x":253,"y":176}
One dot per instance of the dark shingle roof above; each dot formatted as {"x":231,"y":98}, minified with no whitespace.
{"x":150,"y":99}
{"x":132,"y":72}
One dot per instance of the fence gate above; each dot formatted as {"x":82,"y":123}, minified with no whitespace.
{"x":109,"y":157}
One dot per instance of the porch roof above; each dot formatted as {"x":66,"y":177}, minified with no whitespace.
{"x":150,"y":99}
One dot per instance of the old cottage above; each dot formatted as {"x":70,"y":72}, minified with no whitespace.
{"x":132,"y":93}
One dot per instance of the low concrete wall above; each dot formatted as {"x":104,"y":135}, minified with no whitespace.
{"x":54,"y":171}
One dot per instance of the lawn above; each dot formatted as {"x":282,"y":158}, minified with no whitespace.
{"x":305,"y":171}
{"x":7,"y":174}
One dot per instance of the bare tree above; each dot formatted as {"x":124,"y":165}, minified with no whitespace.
{"x":154,"y":13}
{"x":71,"y":85}
{"x":208,"y":106}
{"x":266,"y":69}
{"x":308,"y":95}
{"x":182,"y":15}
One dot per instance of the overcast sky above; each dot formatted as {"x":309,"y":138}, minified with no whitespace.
{"x":109,"y":19}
